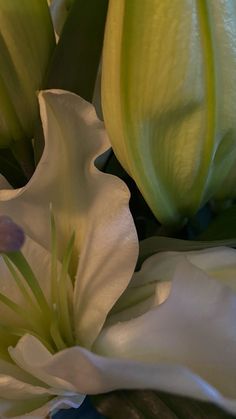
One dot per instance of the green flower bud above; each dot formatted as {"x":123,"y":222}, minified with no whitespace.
{"x":26,"y":44}
{"x":169,"y":98}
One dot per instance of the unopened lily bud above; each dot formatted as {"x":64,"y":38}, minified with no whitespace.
{"x":26,"y":44}
{"x":169,"y":98}
{"x":11,"y":235}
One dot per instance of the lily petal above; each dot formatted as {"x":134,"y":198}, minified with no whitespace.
{"x":219,"y":261}
{"x":94,"y":374}
{"x":151,"y":285}
{"x":29,"y":354}
{"x":194,"y":328}
{"x":75,"y":136}
{"x":107,"y":260}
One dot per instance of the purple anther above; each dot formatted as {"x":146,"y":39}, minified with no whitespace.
{"x":11,"y":235}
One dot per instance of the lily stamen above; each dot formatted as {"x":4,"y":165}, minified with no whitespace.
{"x":49,"y":321}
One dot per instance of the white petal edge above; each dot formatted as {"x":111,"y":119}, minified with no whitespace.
{"x":107,"y":259}
{"x":74,"y":137}
{"x":218,"y":261}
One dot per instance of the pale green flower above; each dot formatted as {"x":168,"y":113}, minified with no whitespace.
{"x":79,"y":327}
{"x":169,"y":103}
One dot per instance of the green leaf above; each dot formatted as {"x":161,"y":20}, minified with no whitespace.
{"x":223,"y":227}
{"x":75,"y":62}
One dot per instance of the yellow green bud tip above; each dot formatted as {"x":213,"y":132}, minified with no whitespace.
{"x":11,"y":235}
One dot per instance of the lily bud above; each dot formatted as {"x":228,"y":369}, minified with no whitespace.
{"x":26,"y":44}
{"x":169,"y":98}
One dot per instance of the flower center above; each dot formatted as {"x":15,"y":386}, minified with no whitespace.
{"x":50,"y":321}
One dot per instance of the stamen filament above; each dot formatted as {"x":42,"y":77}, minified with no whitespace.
{"x":14,"y":307}
{"x":54,"y":285}
{"x":56,"y":336}
{"x":21,"y":286}
{"x":50,"y":322}
{"x":18,"y":259}
{"x":55,"y":326}
{"x":28,"y":318}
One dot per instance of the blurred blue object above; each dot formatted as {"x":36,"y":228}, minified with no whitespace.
{"x":85,"y":411}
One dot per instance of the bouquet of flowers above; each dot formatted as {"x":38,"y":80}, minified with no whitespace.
{"x":117,"y":213}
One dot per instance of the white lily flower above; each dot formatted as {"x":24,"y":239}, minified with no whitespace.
{"x":86,"y":202}
{"x":70,"y":342}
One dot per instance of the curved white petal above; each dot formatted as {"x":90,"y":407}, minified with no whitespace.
{"x":219,"y":261}
{"x":74,"y":137}
{"x":94,"y":374}
{"x":150,"y":286}
{"x":30,"y":354}
{"x":194,"y":327}
{"x":22,"y":386}
{"x":107,"y":259}
{"x":136,"y":301}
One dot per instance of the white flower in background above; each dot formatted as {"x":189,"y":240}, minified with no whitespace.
{"x":76,"y":324}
